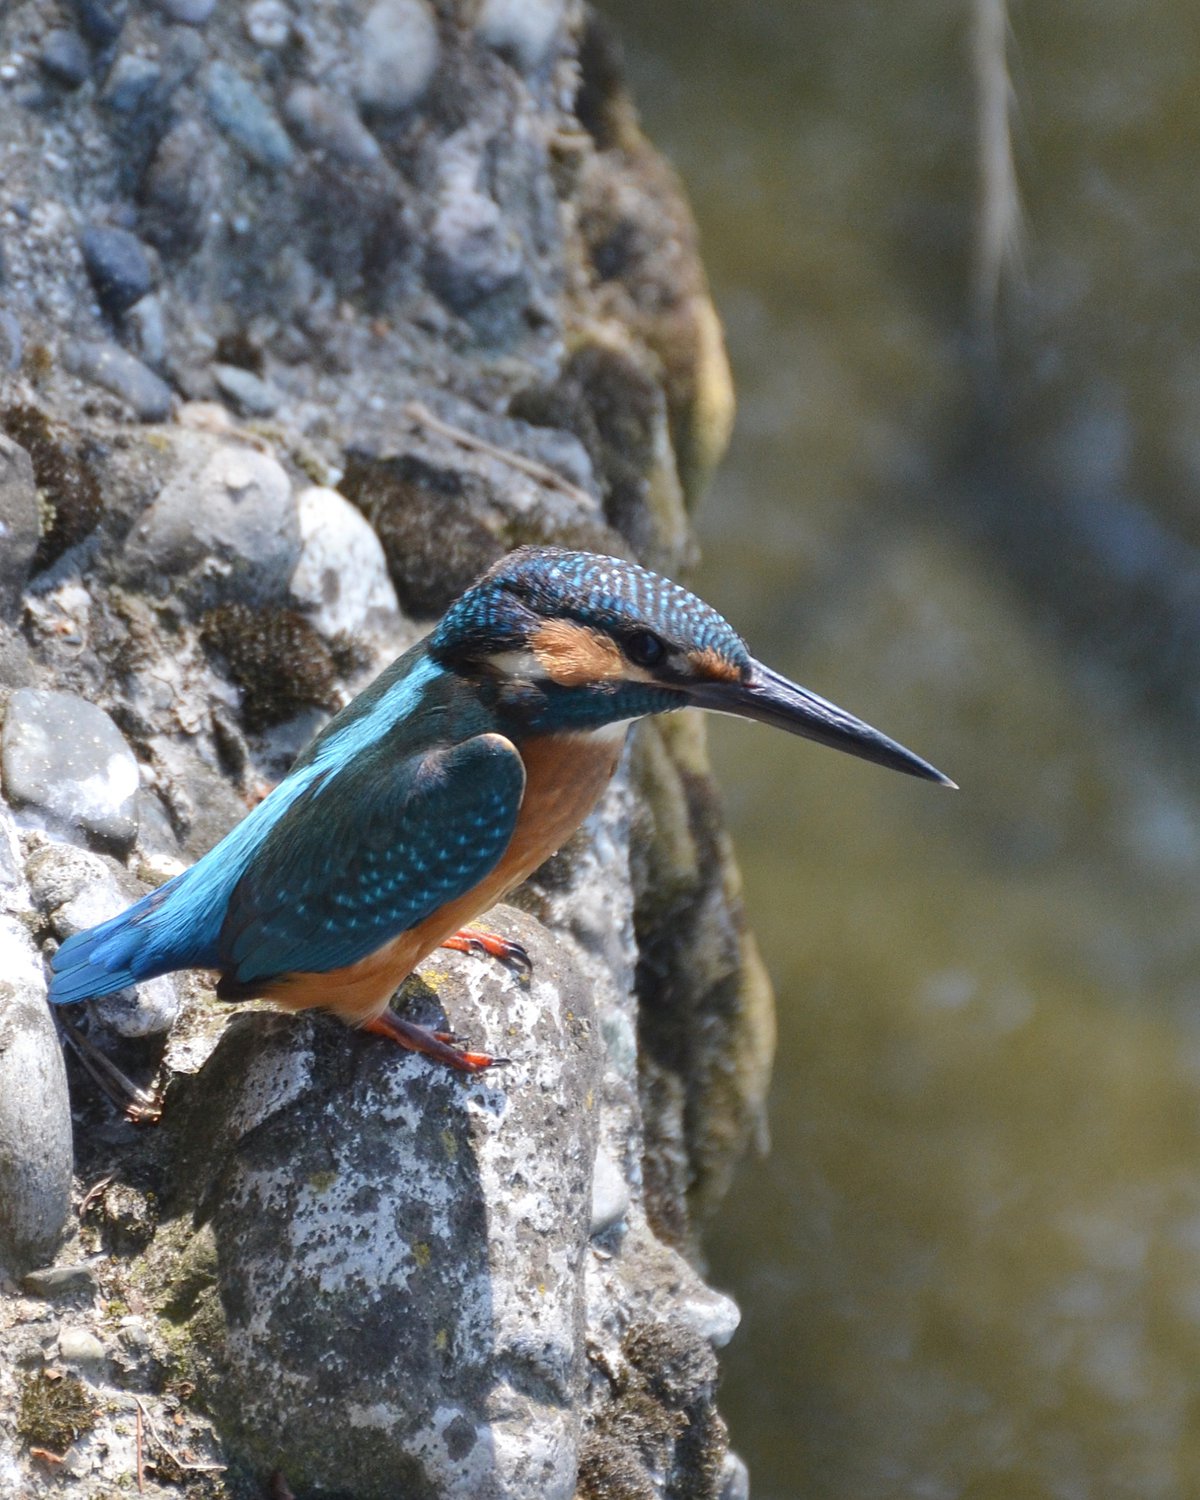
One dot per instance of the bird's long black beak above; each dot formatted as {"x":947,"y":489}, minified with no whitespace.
{"x":771,"y":699}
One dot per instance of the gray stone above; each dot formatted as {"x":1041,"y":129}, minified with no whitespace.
{"x":472,"y":258}
{"x":376,"y":1216}
{"x":65,"y":759}
{"x":178,"y":188}
{"x":144,"y":320}
{"x":225,"y":527}
{"x":269,"y":24}
{"x":250,"y":393}
{"x":398,"y":55}
{"x":610,"y":1194}
{"x":22,"y":963}
{"x":341,"y":578}
{"x":12,"y":342}
{"x":711,"y":1314}
{"x":77,"y":890}
{"x":249,"y":122}
{"x":12,"y":876}
{"x":65,"y":57}
{"x":18,"y":523}
{"x":147,"y":1009}
{"x":188,"y":12}
{"x":734,"y":1481}
{"x":101,"y":20}
{"x":60,"y":874}
{"x":80,"y":1346}
{"x":35,"y":1112}
{"x":62,"y":1281}
{"x":116,"y":370}
{"x":16,"y":659}
{"x":118,"y":265}
{"x":156,"y":834}
{"x":523,"y":30}
{"x":132,"y":84}
{"x":182,"y":58}
{"x":323,"y":122}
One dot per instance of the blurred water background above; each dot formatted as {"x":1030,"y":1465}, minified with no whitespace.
{"x":971,"y":1265}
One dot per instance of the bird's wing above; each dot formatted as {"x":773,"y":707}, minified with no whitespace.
{"x":368,"y":853}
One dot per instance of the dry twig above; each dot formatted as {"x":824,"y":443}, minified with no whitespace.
{"x":419,"y":412}
{"x":176,"y":1459}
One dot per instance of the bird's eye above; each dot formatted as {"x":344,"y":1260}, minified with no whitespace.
{"x":644,"y":649}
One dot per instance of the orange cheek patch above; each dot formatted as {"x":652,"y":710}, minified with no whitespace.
{"x":711,"y":664}
{"x":573,"y":655}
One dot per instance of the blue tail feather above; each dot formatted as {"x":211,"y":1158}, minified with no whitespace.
{"x":109,"y":957}
{"x":177,"y":926}
{"x":152,"y":937}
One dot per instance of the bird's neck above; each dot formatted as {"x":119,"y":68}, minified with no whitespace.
{"x":546,"y":708}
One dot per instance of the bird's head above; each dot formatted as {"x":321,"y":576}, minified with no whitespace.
{"x":574,"y":641}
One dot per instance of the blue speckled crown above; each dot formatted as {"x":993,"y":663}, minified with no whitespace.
{"x":605,"y":592}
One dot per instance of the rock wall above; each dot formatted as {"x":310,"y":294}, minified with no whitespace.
{"x":308,"y":312}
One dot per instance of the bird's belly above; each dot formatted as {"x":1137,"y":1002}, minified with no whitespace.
{"x":565,"y":776}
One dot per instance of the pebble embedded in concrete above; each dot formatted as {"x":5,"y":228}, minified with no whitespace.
{"x":118,"y":265}
{"x":80,"y":1346}
{"x":66,"y":763}
{"x":342,"y":577}
{"x":101,"y":20}
{"x":60,"y":874}
{"x":521,"y":29}
{"x":35,"y":1114}
{"x":65,"y":58}
{"x":269,"y":24}
{"x":62,"y":1281}
{"x":472,"y":256}
{"x":178,"y":188}
{"x":145,"y":321}
{"x":18,"y":523}
{"x":324,"y":122}
{"x":253,"y":396}
{"x":188,"y":12}
{"x":398,"y":55}
{"x":224,"y":527}
{"x":146,"y":1009}
{"x":131,"y":84}
{"x":117,"y":371}
{"x":610,"y":1194}
{"x":77,"y":890}
{"x":711,"y":1314}
{"x":12,"y":876}
{"x":12,"y":341}
{"x":734,"y":1479}
{"x":245,"y":117}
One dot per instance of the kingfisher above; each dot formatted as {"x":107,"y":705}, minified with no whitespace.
{"x":441,"y":787}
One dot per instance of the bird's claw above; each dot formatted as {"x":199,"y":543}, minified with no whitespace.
{"x":442,"y":1046}
{"x":480,"y":1061}
{"x":513,"y":955}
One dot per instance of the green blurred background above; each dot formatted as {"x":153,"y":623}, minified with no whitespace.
{"x":971,"y":1265}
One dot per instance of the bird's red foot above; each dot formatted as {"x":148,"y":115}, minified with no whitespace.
{"x":440,"y":1045}
{"x":510,"y":953}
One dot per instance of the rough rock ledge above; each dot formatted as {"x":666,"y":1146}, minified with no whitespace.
{"x":309,"y":311}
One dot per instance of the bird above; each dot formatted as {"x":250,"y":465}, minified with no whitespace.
{"x":466,"y":763}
